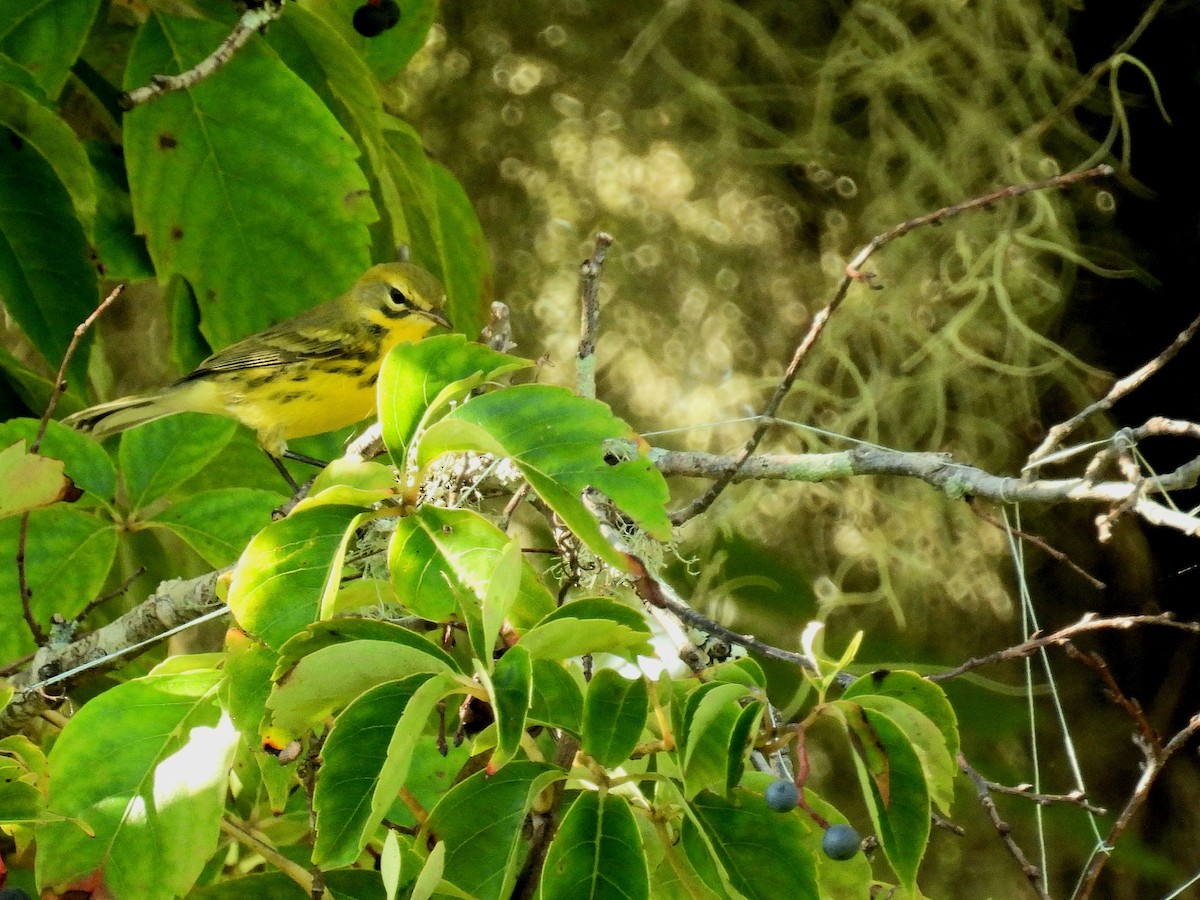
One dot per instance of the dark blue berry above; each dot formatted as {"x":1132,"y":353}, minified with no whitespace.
{"x":841,"y":842}
{"x":782,"y":795}
{"x":373,"y":19}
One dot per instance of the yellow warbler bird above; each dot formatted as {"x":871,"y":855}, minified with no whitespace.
{"x":308,"y":375}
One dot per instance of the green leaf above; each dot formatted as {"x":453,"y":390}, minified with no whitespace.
{"x":937,"y":765}
{"x":218,"y":524}
{"x":918,"y":692}
{"x":589,"y":625}
{"x":511,"y":689}
{"x":557,"y":698}
{"x":710,"y":720}
{"x":284,"y":573}
{"x":614,"y":716}
{"x":46,"y":281}
{"x":41,"y":127}
{"x":562,"y":444}
{"x":206,"y":199}
{"x":163,"y":454}
{"x":68,"y":554}
{"x":86,"y":462}
{"x":901,"y":813}
{"x":145,"y":766}
{"x":465,"y":268}
{"x":365,"y":761}
{"x":29,"y":481}
{"x":448,"y":561}
{"x":333,"y":676}
{"x":739,"y":741}
{"x":331,"y":633}
{"x":46,"y":37}
{"x":344,"y":884}
{"x":122,"y":251}
{"x":359,"y":483}
{"x":484,"y":853}
{"x":596,"y":853}
{"x":418,"y":380}
{"x":763,"y":854}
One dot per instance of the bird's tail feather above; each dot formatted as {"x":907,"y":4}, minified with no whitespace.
{"x":118,"y":415}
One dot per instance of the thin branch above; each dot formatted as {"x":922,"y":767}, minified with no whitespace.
{"x":1053,"y":552}
{"x":173,"y":604}
{"x":251,"y":22}
{"x":1121,"y":388}
{"x":1073,"y":798}
{"x":589,"y":301}
{"x":60,"y":386}
{"x":250,"y":837}
{"x":1154,"y":761}
{"x":954,"y":479}
{"x":60,"y":380}
{"x":821,"y":319}
{"x":1089,"y":622}
{"x":983,"y":792}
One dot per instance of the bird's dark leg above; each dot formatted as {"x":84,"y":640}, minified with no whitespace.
{"x":287,"y":476}
{"x":308,"y":460}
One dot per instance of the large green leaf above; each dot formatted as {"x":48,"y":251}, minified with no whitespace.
{"x":85,"y":461}
{"x":46,"y":281}
{"x":614,"y":716}
{"x":42,"y":128}
{"x":900,"y":813}
{"x":122,"y":252}
{"x":45,"y":36}
{"x":144,"y":766}
{"x":418,"y":380}
{"x":510,"y":687}
{"x":710,"y":719}
{"x":589,"y":625}
{"x":333,"y":676}
{"x":218,"y":524}
{"x":365,"y":761}
{"x":597,"y":852}
{"x":161,"y":455}
{"x":287,"y":570}
{"x":245,"y":184}
{"x":763,"y":854}
{"x":68,"y":554}
{"x":557,"y":696}
{"x":563,"y":444}
{"x":484,"y":853}
{"x":445,"y":562}
{"x":388,"y":53}
{"x":918,"y":692}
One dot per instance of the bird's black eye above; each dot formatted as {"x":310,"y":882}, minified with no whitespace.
{"x":397,"y":297}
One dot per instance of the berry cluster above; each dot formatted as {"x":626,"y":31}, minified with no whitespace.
{"x":840,"y":842}
{"x":376,"y":16}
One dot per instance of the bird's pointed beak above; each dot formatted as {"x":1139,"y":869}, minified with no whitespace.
{"x":437,"y":317}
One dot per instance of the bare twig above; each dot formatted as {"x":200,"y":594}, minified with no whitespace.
{"x":1072,"y":798}
{"x":60,"y":386}
{"x":821,"y":319}
{"x":589,"y":301}
{"x":251,"y":22}
{"x":1089,"y":622}
{"x":983,"y":792}
{"x":1036,"y":541}
{"x":1154,"y":761}
{"x":1121,"y":388}
{"x":1126,"y":704}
